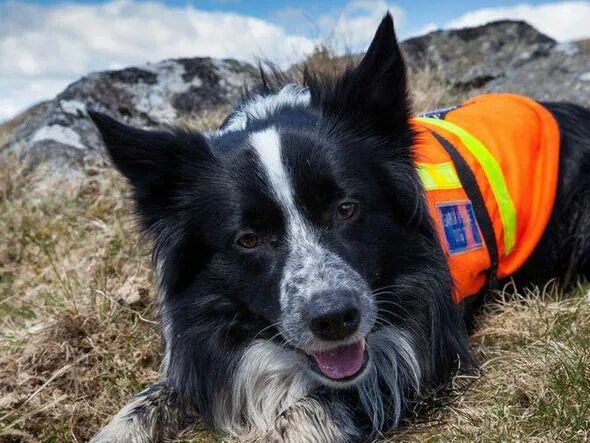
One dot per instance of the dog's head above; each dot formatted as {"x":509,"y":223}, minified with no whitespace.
{"x":300,"y":221}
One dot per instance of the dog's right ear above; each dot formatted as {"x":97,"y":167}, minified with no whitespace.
{"x":372,"y":94}
{"x":156,"y":163}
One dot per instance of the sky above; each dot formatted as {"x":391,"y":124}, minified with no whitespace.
{"x":47,"y":44}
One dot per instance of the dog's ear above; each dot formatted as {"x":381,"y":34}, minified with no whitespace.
{"x":374,"y":93}
{"x":156,"y":163}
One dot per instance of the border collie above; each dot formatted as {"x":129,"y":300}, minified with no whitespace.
{"x":305,"y":293}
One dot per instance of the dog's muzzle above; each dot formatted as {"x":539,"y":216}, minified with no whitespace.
{"x":335,"y":316}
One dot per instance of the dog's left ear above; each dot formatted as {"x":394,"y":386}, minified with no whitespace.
{"x":157,"y":164}
{"x":373,"y":94}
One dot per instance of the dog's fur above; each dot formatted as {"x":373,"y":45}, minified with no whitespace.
{"x":234,"y":319}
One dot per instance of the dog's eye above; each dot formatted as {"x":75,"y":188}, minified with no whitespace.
{"x":346,"y":210}
{"x":248,"y":240}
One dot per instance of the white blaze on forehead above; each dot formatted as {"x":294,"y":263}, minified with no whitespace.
{"x":267,"y":144}
{"x":305,"y":252}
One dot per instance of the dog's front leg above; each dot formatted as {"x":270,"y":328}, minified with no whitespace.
{"x":315,"y":420}
{"x":151,"y":416}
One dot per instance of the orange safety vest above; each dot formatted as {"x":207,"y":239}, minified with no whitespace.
{"x":489,"y":168}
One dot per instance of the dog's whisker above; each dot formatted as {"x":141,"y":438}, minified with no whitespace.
{"x":272,"y":325}
{"x":394,"y":304}
{"x":376,"y":290}
{"x":384,"y":322}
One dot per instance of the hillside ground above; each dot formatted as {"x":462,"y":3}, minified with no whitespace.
{"x":79,"y":325}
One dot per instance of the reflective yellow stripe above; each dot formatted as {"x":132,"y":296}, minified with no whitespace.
{"x":493,"y":173}
{"x":437,"y":176}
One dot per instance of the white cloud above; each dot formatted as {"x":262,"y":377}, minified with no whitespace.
{"x":561,"y":20}
{"x":354,"y":24}
{"x":17,"y":93}
{"x":352,"y":27}
{"x":75,"y":38}
{"x":43,"y":48}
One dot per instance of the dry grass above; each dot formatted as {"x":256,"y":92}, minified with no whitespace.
{"x":78,"y":332}
{"x":324,"y":61}
{"x":534,"y":381}
{"x":70,"y":349}
{"x":584,"y":45}
{"x":6,"y":129}
{"x":427,"y":91}
{"x":207,"y":120}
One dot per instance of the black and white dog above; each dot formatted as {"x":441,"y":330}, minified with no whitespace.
{"x":305,"y":294}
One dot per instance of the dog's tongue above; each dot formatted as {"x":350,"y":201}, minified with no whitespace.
{"x":341,"y":362}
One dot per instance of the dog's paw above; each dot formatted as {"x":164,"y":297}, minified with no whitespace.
{"x":122,"y":432}
{"x":306,"y":422}
{"x":285,"y":429}
{"x":273,"y":436}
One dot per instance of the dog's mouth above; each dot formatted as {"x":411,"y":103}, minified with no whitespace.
{"x":343,"y":363}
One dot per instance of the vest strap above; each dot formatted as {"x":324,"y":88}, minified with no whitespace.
{"x":479,"y":208}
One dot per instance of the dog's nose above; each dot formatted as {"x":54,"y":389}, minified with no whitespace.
{"x":333,"y":315}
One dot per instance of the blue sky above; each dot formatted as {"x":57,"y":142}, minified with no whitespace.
{"x":421,"y":11}
{"x":46,"y":44}
{"x":295,"y":15}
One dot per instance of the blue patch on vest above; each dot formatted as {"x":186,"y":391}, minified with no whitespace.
{"x":459,"y":226}
{"x":439,"y":113}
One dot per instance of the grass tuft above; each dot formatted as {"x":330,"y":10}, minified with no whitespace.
{"x":534,"y":380}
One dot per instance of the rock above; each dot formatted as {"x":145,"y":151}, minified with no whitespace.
{"x":133,"y":292}
{"x":505,"y":56}
{"x":558,"y":76}
{"x":59,"y":131}
{"x":471,"y":57}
